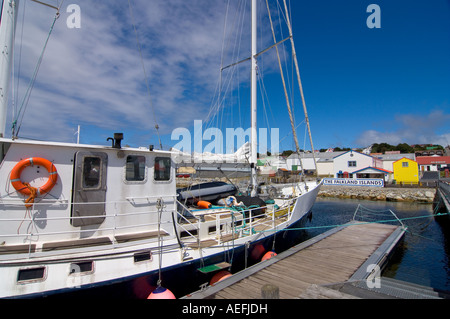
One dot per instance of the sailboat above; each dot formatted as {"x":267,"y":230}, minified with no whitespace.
{"x":77,"y":219}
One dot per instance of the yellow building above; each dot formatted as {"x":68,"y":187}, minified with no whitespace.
{"x":406,"y":171}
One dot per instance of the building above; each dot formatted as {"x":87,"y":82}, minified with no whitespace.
{"x":406,"y":171}
{"x":433,"y":163}
{"x":351,"y":162}
{"x":374,"y":172}
{"x":430,"y":151}
{"x":389,"y":158}
{"x":307,"y":162}
{"x":324,"y":162}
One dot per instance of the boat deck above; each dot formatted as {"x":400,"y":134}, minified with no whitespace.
{"x":340,"y":255}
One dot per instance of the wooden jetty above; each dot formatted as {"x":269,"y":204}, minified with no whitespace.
{"x":340,"y":255}
{"x":443,"y":197}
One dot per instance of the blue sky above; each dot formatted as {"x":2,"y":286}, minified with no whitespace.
{"x":361,"y":85}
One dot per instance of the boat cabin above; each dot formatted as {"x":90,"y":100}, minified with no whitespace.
{"x":103,"y":193}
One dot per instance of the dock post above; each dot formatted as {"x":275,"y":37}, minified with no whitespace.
{"x":270,"y":292}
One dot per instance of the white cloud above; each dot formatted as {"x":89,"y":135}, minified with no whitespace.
{"x":93,"y":76}
{"x":431,"y":128}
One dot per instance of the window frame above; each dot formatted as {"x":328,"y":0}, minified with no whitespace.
{"x":143,"y":181}
{"x":99,"y":183}
{"x":169,"y":160}
{"x":352,"y":162}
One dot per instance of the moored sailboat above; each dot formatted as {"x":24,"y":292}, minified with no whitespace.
{"x":76,"y":217}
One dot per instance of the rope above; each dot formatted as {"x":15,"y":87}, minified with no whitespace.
{"x":357,"y":224}
{"x":160,"y":207}
{"x":29,"y":202}
{"x":288,"y":104}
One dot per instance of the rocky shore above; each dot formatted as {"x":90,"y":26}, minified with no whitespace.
{"x":422,"y":195}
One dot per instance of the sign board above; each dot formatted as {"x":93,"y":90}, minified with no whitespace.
{"x":353,"y":182}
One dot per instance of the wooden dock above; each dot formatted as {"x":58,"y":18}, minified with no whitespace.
{"x":443,"y":196}
{"x":340,"y":255}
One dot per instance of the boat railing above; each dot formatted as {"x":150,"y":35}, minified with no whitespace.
{"x":48,"y":221}
{"x":252,"y":218}
{"x":181,"y":221}
{"x":36,"y":226}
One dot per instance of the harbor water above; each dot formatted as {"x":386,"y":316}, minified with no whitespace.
{"x":422,"y":258}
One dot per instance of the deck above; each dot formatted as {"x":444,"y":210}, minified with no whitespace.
{"x":340,"y":255}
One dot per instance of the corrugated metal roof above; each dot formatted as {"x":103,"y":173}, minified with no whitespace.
{"x":433,"y":160}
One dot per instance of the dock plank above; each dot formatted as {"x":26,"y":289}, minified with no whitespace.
{"x":335,"y":258}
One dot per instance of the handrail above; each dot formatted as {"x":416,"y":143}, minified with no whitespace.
{"x":121,"y":209}
{"x":187,"y":221}
{"x":29,"y":236}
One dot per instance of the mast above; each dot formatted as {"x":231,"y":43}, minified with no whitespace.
{"x":8,"y":20}
{"x":294,"y":54}
{"x":254,"y":137}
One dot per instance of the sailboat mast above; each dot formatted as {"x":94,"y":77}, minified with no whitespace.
{"x":294,"y":54}
{"x":254,"y":136}
{"x":8,"y":20}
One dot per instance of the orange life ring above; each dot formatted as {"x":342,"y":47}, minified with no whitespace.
{"x":24,"y":188}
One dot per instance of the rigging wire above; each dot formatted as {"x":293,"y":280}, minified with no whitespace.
{"x":16,"y":84}
{"x":145,"y":72}
{"x":226,"y":80}
{"x":17,"y":123}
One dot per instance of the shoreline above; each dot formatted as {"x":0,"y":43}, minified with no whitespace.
{"x":421,"y":195}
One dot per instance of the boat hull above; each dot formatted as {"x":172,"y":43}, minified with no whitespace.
{"x":184,"y":277}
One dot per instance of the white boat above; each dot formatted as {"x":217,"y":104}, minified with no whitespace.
{"x":75,"y":218}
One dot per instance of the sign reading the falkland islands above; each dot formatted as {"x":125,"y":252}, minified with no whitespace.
{"x":353,"y":182}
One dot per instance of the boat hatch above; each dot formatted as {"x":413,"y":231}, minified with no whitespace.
{"x":89,"y":194}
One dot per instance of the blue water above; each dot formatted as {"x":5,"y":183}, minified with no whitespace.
{"x":423,"y":257}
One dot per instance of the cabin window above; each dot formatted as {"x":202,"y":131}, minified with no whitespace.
{"x":143,"y":256}
{"x":30,"y":275}
{"x":135,"y":169}
{"x":91,"y":172}
{"x":162,"y":169}
{"x":82,"y":267}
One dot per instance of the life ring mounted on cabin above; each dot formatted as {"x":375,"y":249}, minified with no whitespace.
{"x":25,"y":188}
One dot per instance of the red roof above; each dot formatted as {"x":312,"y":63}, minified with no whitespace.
{"x":433,"y":160}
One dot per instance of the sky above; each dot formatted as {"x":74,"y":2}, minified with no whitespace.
{"x":361,"y":85}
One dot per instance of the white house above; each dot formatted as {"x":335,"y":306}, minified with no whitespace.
{"x":346,"y":164}
{"x":324,"y":162}
{"x":307,"y":162}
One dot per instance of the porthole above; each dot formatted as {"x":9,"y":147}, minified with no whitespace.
{"x":29,"y":275}
{"x":142,"y":256}
{"x":84,"y":267}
